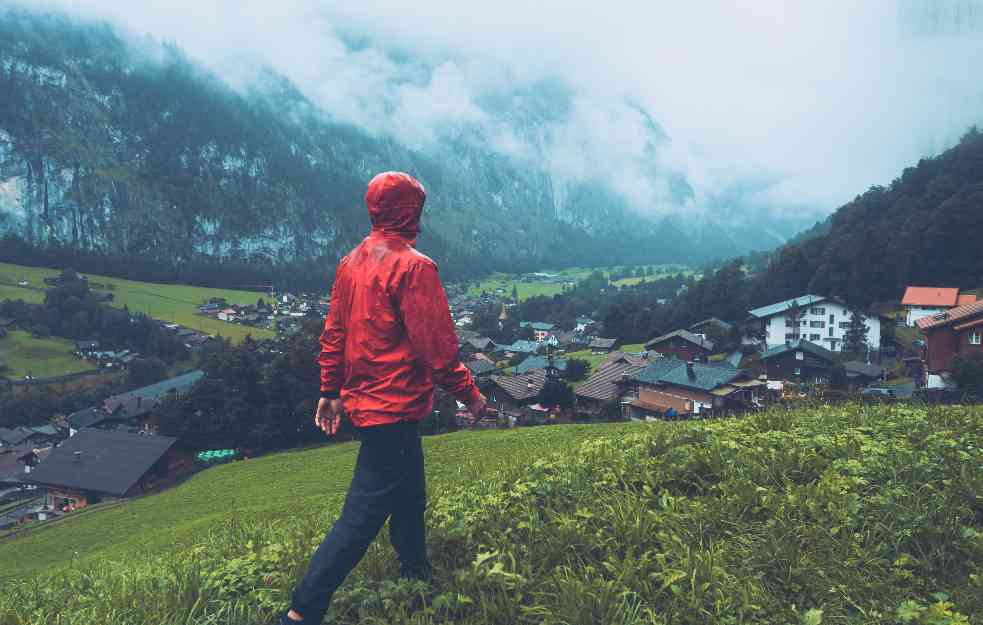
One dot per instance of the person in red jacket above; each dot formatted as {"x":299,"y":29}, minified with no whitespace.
{"x":387,"y":340}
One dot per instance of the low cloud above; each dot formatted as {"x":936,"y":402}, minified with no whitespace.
{"x":787,"y":107}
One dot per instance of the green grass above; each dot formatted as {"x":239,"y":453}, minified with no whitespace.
{"x":572,"y":274}
{"x":170,"y":302}
{"x":42,"y":358}
{"x":845,"y":514}
{"x":595,"y":360}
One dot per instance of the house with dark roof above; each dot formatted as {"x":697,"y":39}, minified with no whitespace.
{"x":670,"y":388}
{"x":97,"y":465}
{"x":799,"y":361}
{"x":6,"y":322}
{"x":924,"y":301}
{"x":609,"y":383}
{"x":711,"y":323}
{"x":814,"y":318}
{"x":480,"y":368}
{"x":512,"y":394}
{"x":601,"y":345}
{"x":521,"y":347}
{"x":859,"y":373}
{"x":954,"y":332}
{"x":681,"y":344}
{"x":477,"y":344}
{"x":25,"y":436}
{"x":540,"y":362}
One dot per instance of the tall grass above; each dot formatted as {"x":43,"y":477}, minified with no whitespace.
{"x":848,"y":514}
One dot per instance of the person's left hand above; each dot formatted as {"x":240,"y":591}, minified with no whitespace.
{"x":328,"y":415}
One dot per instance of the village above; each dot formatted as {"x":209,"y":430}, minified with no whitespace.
{"x":809,"y":348}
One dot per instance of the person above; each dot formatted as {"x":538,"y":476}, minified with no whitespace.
{"x":387,"y":340}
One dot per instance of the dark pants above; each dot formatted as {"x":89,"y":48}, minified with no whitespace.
{"x":388,"y":483}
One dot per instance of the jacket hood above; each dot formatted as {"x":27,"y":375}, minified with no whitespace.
{"x":395,"y":202}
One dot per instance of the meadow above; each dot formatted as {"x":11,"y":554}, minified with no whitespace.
{"x":573,"y":274}
{"x":846,"y":514}
{"x":175,"y":303}
{"x":594,"y":360}
{"x":42,"y":358}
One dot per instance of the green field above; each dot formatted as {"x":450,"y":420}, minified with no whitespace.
{"x":42,"y":358}
{"x":170,"y":302}
{"x":827,"y":514}
{"x":572,"y":274}
{"x":596,"y":359}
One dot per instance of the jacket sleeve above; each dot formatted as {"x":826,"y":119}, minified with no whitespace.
{"x":426,"y":316}
{"x":332,"y":356}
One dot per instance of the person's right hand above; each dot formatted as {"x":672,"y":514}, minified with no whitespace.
{"x":328,"y":415}
{"x":477,"y":408}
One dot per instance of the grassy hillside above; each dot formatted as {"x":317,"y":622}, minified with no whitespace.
{"x":594,"y":360}
{"x":171,"y":302}
{"x":850,"y":514}
{"x":42,"y":358}
{"x":573,"y":274}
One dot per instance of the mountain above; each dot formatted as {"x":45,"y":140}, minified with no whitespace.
{"x":128,"y":158}
{"x":922,"y":229}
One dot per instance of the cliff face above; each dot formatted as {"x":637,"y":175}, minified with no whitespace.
{"x":117,"y":150}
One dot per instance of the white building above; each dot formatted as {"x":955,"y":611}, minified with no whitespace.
{"x":822,"y":321}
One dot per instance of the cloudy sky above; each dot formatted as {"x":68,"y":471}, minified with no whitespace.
{"x":798,"y":106}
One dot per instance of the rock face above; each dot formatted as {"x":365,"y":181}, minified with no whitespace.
{"x":115,"y":150}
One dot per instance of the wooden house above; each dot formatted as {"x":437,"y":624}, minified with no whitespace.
{"x":799,"y":361}
{"x":681,"y":344}
{"x":958,"y":331}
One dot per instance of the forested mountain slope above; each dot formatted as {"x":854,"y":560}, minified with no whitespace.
{"x":124,"y":157}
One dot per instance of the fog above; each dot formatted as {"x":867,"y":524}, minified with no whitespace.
{"x":789,"y":107}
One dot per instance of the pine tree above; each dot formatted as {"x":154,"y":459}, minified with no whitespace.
{"x":855,"y":339}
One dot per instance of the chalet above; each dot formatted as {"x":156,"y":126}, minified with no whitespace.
{"x":29,"y":436}
{"x":478,"y":344}
{"x":799,"y":361}
{"x":95,"y":466}
{"x":583,"y":324}
{"x":540,"y":362}
{"x":137,"y":405}
{"x":512,"y":394}
{"x":609,"y":383}
{"x":228,"y":314}
{"x":602,"y":346}
{"x":540,"y":329}
{"x":209,"y":309}
{"x":924,"y":301}
{"x":681,"y":344}
{"x":820,"y":320}
{"x":480,"y":368}
{"x":671,"y":387}
{"x":521,"y":347}
{"x":958,"y":331}
{"x":98,"y":418}
{"x":251,"y":319}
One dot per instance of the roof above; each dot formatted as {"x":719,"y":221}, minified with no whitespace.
{"x":930,"y":296}
{"x":520,"y":387}
{"x":110,"y":462}
{"x":734,"y":358}
{"x":720,"y":322}
{"x":86,"y":418}
{"x":540,"y":362}
{"x":803,"y":345}
{"x":480,"y":342}
{"x":674,"y":372}
{"x":860,"y":368}
{"x":537,"y":325}
{"x":966,"y":298}
{"x":686,"y":335}
{"x":952,"y":315}
{"x":523,"y":347}
{"x":584,"y":320}
{"x":87,"y":344}
{"x":480,"y":367}
{"x":15,"y":436}
{"x":780,"y":307}
{"x":603,"y":384}
{"x":6,"y":321}
{"x":602,"y":343}
{"x":639,"y":360}
{"x":157,"y":391}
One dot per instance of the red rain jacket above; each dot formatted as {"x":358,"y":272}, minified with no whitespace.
{"x":389,"y":335}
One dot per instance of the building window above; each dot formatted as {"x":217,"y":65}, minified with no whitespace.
{"x":788,"y":337}
{"x":817,"y":324}
{"x":844,"y":325}
{"x":813,"y":337}
{"x":799,"y":356}
{"x":798,"y":371}
{"x":976,"y":338}
{"x":817,"y":311}
{"x":832,"y":319}
{"x":831,"y":330}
